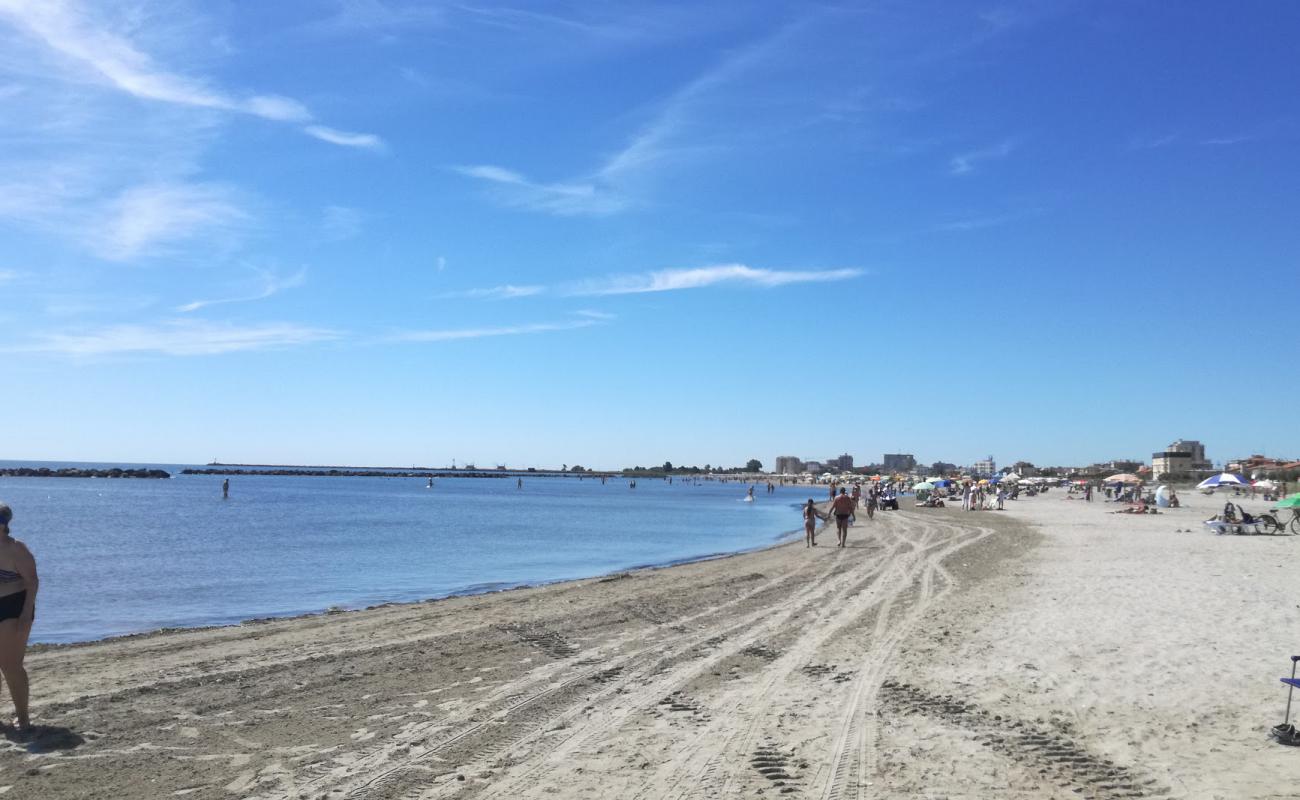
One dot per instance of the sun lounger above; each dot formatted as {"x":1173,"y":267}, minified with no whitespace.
{"x":1254,"y":525}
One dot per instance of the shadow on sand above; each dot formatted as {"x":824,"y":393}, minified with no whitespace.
{"x":44,"y":738}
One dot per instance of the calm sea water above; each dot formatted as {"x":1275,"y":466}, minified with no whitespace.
{"x":123,"y":556}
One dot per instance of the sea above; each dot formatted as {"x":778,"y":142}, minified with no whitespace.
{"x":121,"y":556}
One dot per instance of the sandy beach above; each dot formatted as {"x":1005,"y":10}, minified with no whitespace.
{"x":1050,"y":650}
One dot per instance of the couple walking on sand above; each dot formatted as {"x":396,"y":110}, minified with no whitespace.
{"x":842,"y":506}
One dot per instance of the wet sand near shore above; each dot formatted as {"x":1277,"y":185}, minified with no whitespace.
{"x":942,"y":654}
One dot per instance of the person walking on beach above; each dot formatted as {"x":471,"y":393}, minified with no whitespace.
{"x":842,"y":507}
{"x":871,"y":503}
{"x":18,"y":585}
{"x":810,"y":517}
{"x":225,"y":489}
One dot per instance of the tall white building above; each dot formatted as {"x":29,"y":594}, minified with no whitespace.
{"x":985,"y":466}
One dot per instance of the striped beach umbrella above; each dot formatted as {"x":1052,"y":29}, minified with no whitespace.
{"x":1223,"y":479}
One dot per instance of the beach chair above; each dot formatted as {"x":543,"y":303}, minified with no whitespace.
{"x":1236,"y":520}
{"x":1286,"y":732}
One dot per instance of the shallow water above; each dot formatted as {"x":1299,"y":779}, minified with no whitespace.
{"x":130,"y":555}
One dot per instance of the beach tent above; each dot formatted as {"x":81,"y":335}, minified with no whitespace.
{"x":1222,"y":479}
{"x":1011,"y":476}
{"x":1162,"y":497}
{"x":941,"y":484}
{"x":1291,"y":501}
{"x":1026,"y":482}
{"x":1123,"y":477}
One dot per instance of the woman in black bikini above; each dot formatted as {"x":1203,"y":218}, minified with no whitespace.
{"x":18,"y":585}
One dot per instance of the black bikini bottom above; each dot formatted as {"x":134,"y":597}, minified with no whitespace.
{"x":11,"y":605}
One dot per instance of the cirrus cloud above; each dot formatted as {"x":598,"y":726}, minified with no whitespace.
{"x":176,"y":338}
{"x":670,"y":280}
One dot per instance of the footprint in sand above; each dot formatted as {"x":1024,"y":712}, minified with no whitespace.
{"x":363,"y":735}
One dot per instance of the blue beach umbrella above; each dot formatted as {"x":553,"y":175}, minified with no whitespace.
{"x":1223,"y":479}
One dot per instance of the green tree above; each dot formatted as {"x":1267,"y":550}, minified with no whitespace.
{"x":754,"y":465}
{"x":668,"y":466}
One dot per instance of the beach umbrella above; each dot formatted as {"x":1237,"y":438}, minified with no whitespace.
{"x":923,"y":486}
{"x":1123,"y":477}
{"x":1265,"y":484}
{"x":1291,"y":501}
{"x":1222,"y":479}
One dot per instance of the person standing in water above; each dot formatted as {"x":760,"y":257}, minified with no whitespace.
{"x":751,"y":493}
{"x":810,"y":517}
{"x":842,"y":507}
{"x":18,"y":585}
{"x":430,"y":486}
{"x":520,"y":484}
{"x":225,"y":489}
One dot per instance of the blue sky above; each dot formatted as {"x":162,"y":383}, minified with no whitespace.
{"x":614,"y":233}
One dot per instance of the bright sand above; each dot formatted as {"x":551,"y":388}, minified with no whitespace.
{"x":1051,"y":650}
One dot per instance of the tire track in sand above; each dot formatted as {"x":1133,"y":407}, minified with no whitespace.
{"x":854,"y":752}
{"x":378,"y":769}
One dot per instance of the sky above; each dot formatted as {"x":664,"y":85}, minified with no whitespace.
{"x":394,"y":233}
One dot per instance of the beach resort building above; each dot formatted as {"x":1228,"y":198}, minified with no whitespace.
{"x":843,"y":463}
{"x":899,"y":462}
{"x":815,"y":467}
{"x":984,"y":467}
{"x":1169,"y":462}
{"x":1194,"y":449}
{"x":788,"y":465}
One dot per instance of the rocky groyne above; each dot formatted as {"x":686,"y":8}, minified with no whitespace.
{"x":342,"y":473}
{"x":82,"y":472}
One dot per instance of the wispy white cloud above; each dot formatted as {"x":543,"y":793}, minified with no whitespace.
{"x":364,"y":141}
{"x":176,"y":338}
{"x":669,"y":280}
{"x":1152,"y":142}
{"x":143,"y":219}
{"x":8,"y":275}
{"x":966,"y":163}
{"x":605,"y":190}
{"x":975,"y":223}
{"x":1223,"y":141}
{"x":506,"y":292}
{"x":481,"y":333}
{"x":440,"y":263}
{"x":562,"y":199}
{"x":271,"y":284}
{"x":70,"y":30}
